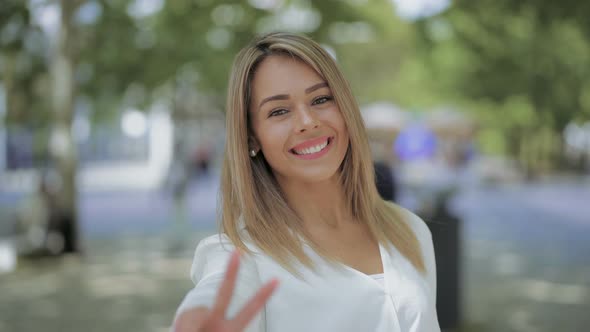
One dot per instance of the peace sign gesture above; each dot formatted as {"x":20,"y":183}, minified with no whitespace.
{"x":214,"y":319}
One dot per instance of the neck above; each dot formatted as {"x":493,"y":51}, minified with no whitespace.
{"x":318,"y":204}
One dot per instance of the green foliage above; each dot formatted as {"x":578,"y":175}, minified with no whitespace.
{"x":14,"y":23}
{"x":186,"y":45}
{"x":23,"y":63}
{"x":536,"y":52}
{"x":520,"y":67}
{"x":515,"y":65}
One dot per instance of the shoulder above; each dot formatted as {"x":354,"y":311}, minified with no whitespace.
{"x":424,"y":236}
{"x":418,"y":226}
{"x":211,"y":252}
{"x":212,"y":255}
{"x":208,"y":272}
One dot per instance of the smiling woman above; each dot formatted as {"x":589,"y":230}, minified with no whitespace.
{"x":296,"y":121}
{"x":300,"y":207}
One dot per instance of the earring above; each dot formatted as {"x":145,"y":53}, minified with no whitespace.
{"x":253,"y":153}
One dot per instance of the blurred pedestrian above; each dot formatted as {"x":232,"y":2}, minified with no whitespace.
{"x":202,"y":159}
{"x":299,"y":206}
{"x":383,"y":161}
{"x":385,"y":181}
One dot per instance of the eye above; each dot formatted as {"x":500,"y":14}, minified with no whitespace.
{"x":277,"y":112}
{"x":322,"y":100}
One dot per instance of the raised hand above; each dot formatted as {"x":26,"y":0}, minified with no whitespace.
{"x":214,"y":319}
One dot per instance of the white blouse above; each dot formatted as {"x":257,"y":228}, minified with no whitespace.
{"x":335,"y":297}
{"x":380,"y":278}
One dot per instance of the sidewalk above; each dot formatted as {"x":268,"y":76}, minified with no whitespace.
{"x":524,"y":265}
{"x":123,"y":284}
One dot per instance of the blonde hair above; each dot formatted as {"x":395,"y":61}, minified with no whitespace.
{"x":250,"y":197}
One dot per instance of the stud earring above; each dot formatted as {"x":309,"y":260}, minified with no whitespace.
{"x":253,"y":153}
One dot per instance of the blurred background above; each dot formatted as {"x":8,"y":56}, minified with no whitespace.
{"x":112,"y":130}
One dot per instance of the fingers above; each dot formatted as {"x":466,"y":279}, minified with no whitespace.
{"x":227,"y":287}
{"x":225,"y":293}
{"x":190,"y":319}
{"x":254,"y":305}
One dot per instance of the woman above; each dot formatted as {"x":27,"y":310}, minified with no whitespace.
{"x":299,"y":206}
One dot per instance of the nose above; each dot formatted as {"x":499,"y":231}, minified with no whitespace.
{"x":306,"y":120}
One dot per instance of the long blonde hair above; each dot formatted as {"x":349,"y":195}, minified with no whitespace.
{"x":250,"y":196}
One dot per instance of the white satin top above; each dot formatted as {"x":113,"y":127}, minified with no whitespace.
{"x":332,"y":298}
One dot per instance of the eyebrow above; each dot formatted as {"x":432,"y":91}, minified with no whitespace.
{"x":271,"y":98}
{"x":315,"y":87}
{"x":285,"y":97}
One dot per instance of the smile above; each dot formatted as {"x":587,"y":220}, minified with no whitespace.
{"x":314,"y":149}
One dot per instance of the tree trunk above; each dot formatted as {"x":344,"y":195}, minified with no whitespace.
{"x":62,"y":145}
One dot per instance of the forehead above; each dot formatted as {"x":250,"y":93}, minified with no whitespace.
{"x":280,"y":74}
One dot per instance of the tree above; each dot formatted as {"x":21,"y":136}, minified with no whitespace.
{"x":62,"y":147}
{"x":523,"y":64}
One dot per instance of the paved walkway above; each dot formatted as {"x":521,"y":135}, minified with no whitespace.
{"x":126,"y":284}
{"x":525,"y":265}
{"x":526,"y":257}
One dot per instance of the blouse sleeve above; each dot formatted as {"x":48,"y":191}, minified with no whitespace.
{"x":207,"y":272}
{"x":429,"y":260}
{"x":425,"y":239}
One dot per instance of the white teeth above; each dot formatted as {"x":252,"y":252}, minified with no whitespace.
{"x":312,"y":149}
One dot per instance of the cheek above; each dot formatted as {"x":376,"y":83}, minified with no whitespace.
{"x":272,"y":140}
{"x":334,"y":117}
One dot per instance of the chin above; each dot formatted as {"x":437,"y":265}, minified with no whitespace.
{"x":317,"y":176}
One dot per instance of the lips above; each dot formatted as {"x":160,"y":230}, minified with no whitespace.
{"x":311,"y":146}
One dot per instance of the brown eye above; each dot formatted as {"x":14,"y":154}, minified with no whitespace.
{"x":322,"y":100}
{"x":277,"y":112}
